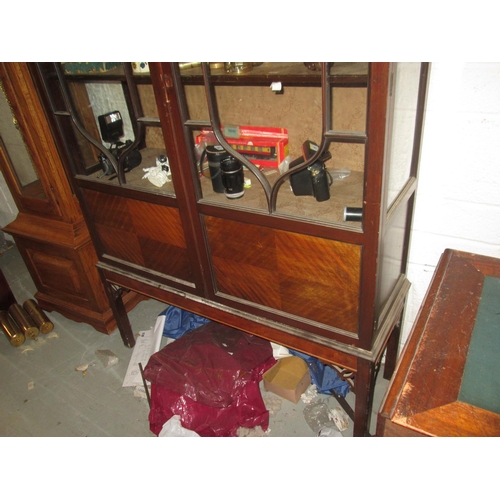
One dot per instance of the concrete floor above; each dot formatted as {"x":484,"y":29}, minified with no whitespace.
{"x":43,"y":394}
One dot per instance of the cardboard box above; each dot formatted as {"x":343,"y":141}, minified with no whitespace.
{"x":265,"y":147}
{"x":288,"y":378}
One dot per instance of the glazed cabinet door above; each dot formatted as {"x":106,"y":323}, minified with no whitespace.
{"x":111,"y":129}
{"x":275,"y":159}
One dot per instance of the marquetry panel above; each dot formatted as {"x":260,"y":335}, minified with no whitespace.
{"x":313,"y":278}
{"x":145,"y":234}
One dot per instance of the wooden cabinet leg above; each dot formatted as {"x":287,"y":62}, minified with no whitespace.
{"x":364,"y":383}
{"x":119,"y":312}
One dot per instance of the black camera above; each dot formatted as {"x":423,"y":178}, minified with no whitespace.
{"x":111,"y":125}
{"x":132,"y":159}
{"x":314,"y":180}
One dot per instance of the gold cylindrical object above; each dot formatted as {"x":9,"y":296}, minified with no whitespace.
{"x":24,"y":321}
{"x":38,"y":316}
{"x":11,"y":330}
{"x":237,"y":67}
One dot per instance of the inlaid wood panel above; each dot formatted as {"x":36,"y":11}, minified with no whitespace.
{"x":145,"y":234}
{"x":313,"y":278}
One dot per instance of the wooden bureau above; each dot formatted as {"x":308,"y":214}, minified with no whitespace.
{"x":447,"y":380}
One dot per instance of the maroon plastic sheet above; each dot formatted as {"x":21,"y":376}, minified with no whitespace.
{"x":210,"y":378}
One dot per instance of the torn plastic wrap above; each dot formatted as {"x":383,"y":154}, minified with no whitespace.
{"x":210,"y":378}
{"x":178,"y":322}
{"x":324,"y":377}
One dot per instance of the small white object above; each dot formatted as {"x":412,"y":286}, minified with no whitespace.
{"x":279,"y":351}
{"x":146,"y":344}
{"x":276,"y":87}
{"x":156,"y":175}
{"x":173,"y":428}
{"x":140,"y":67}
{"x":329,"y":432}
{"x":340,"y":419}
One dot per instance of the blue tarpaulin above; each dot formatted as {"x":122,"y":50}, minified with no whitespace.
{"x":324,"y":377}
{"x":178,"y":322}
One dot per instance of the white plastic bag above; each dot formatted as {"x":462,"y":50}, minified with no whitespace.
{"x":173,"y":428}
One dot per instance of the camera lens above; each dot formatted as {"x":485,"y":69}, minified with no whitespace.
{"x":232,"y":177}
{"x":214,"y":155}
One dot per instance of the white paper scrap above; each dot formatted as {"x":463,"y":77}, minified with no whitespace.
{"x":147,"y":343}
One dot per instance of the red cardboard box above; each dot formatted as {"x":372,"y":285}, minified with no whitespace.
{"x":264,"y":146}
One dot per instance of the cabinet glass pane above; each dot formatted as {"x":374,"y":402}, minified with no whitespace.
{"x":16,"y":152}
{"x":118,"y":113}
{"x":285,"y":99}
{"x":404,"y":111}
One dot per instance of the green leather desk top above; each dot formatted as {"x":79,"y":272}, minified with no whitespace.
{"x":481,"y":378}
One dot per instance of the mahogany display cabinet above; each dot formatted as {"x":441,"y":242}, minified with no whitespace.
{"x":49,"y":229}
{"x":296,"y":269}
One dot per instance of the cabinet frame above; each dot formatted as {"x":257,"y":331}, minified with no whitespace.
{"x":382,"y":294}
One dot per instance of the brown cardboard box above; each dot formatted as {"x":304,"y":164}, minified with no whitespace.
{"x":288,"y":378}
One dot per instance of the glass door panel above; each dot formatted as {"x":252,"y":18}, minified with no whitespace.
{"x":16,"y":153}
{"x":402,"y":131}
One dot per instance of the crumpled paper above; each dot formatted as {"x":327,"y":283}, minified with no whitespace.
{"x":158,"y":175}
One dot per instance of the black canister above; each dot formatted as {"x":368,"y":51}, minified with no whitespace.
{"x":354,"y":214}
{"x":232,"y":177}
{"x":215,"y":154}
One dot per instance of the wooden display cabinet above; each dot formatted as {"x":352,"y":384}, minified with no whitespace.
{"x":284,"y":267}
{"x":49,"y":230}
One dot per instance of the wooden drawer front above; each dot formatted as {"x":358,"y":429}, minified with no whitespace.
{"x":144,"y":234}
{"x":313,"y":278}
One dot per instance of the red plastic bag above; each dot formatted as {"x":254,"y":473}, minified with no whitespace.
{"x":210,"y":378}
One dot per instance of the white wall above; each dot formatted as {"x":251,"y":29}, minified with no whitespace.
{"x":458,"y":201}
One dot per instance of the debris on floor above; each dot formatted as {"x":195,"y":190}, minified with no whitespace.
{"x":255,"y":432}
{"x":173,"y":428}
{"x":319,"y":418}
{"x":146,"y":344}
{"x":82,"y":368}
{"x":340,"y":419}
{"x":273,"y":403}
{"x":310,"y":395}
{"x":107,"y":357}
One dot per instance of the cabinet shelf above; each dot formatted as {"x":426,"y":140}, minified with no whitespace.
{"x":342,"y":74}
{"x":290,"y":74}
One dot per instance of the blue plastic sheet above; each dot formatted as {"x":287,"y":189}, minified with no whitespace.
{"x":324,"y":377}
{"x":178,"y":322}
